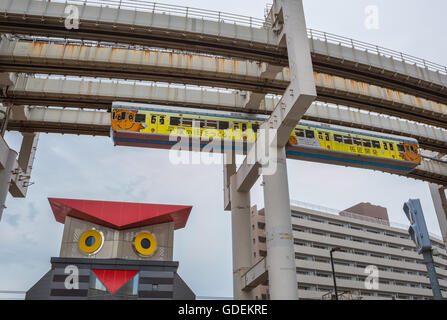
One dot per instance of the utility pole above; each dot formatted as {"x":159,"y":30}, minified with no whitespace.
{"x":333,"y":271}
{"x":419,"y":234}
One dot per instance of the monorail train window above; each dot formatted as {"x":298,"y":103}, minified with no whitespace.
{"x":210,"y":124}
{"x":244,"y":127}
{"x":320,"y":136}
{"x":174,"y":121}
{"x":140,"y":118}
{"x":391,"y":147}
{"x":385,"y":146}
{"x":411,"y":149}
{"x":367,"y":143}
{"x":310,"y":134}
{"x":255,"y":127}
{"x":338,"y":138}
{"x":347,"y":140}
{"x":376,"y":144}
{"x":154,"y":119}
{"x":187,"y":122}
{"x":223,"y":125}
{"x":358,"y":142}
{"x":130,"y":117}
{"x":113,"y":115}
{"x":299,"y":133}
{"x":162,"y":120}
{"x":400,"y":148}
{"x":122,"y":116}
{"x":327,"y":137}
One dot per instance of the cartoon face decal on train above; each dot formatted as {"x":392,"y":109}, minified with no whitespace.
{"x":125,"y":119}
{"x":409,"y":152}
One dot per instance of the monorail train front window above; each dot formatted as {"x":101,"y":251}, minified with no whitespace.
{"x":244,"y":127}
{"x":385,"y":146}
{"x":130,"y":117}
{"x":122,"y":116}
{"x":310,"y":134}
{"x":391,"y":147}
{"x":113,"y":115}
{"x":154,"y":119}
{"x":412,"y":149}
{"x":162,"y":120}
{"x":400,"y":148}
{"x":327,"y":137}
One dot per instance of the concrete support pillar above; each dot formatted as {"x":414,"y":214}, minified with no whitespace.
{"x":229,"y":169}
{"x":5,"y":178}
{"x":278,"y":222}
{"x":241,"y":236}
{"x":440,"y":203}
{"x":28,"y":151}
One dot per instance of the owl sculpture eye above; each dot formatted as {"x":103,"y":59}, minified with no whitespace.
{"x":145,"y":244}
{"x":91,"y":241}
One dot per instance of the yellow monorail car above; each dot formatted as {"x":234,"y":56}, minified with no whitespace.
{"x":154,"y":126}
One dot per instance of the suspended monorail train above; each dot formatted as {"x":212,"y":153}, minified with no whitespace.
{"x":153,"y":126}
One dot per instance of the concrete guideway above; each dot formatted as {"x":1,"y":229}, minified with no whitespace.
{"x":246,"y":39}
{"x":101,"y":94}
{"x":68,"y":59}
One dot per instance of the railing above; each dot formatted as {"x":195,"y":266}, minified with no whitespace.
{"x":356,"y":216}
{"x":360,"y":45}
{"x":188,"y":12}
{"x":218,"y":16}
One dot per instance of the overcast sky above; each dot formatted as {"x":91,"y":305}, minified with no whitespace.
{"x":92,"y":168}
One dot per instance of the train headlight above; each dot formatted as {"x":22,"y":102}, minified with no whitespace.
{"x":91,"y":241}
{"x":145,"y":244}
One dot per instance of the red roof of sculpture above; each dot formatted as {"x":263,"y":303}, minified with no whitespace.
{"x":120,"y":215}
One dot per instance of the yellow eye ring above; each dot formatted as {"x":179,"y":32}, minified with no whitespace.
{"x":91,"y":241}
{"x":145,"y":244}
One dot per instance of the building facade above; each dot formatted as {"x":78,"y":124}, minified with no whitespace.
{"x":364,"y":241}
{"x":114,"y":251}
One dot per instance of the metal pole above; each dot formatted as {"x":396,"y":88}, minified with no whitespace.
{"x":440,"y":203}
{"x":278,"y":221}
{"x":333,"y":275}
{"x":241,"y":237}
{"x":428,"y":259}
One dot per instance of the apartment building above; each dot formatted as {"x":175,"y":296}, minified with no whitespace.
{"x":364,"y":240}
